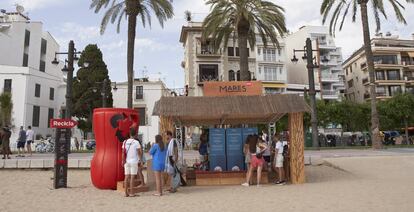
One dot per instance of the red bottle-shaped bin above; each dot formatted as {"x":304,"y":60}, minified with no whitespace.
{"x":111,"y":127}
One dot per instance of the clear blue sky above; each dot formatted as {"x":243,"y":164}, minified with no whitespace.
{"x":159,"y":49}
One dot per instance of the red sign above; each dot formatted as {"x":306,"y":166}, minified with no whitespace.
{"x":62,"y":123}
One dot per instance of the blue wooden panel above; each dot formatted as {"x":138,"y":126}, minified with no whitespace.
{"x":234,"y":148}
{"x":217,"y":156}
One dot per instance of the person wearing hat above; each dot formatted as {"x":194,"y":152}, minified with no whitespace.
{"x":5,"y":138}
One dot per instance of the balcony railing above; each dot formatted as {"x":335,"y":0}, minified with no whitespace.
{"x":207,"y":78}
{"x":409,"y":78}
{"x":208,"y":51}
{"x":380,"y":94}
{"x":329,"y":92}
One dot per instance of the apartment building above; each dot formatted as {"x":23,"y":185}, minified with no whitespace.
{"x":329,"y":77}
{"x":201,"y":63}
{"x":36,"y":85}
{"x":394,"y":69}
{"x":146,"y":92}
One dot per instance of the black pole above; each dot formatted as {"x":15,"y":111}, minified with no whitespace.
{"x":312,"y":92}
{"x":104,"y":93}
{"x":69,"y":79}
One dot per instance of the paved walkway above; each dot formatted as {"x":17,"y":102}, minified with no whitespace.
{"x":82,"y":160}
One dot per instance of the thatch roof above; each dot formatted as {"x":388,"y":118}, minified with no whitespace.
{"x":230,"y":109}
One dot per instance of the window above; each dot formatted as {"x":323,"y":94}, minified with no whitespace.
{"x":139,"y":92}
{"x":350,"y":68}
{"x":270,"y":72}
{"x":346,"y":72}
{"x":25,"y":60}
{"x":230,"y":51}
{"x":279,"y":52}
{"x":231,"y":76}
{"x":380,"y":90}
{"x":50,"y":115}
{"x":27,"y":38}
{"x":43,"y":47}
{"x":37,"y":90}
{"x":269,"y":55}
{"x":208,"y":72}
{"x":36,"y":116}
{"x":385,"y":59}
{"x":379,"y":75}
{"x":394,"y":89}
{"x":351,"y":83}
{"x":142,"y":116}
{"x":42,"y":66}
{"x":7,"y":85}
{"x":393,"y":75}
{"x":52,"y":94}
{"x":258,"y":51}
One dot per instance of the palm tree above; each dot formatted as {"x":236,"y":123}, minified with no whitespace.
{"x":244,"y":17}
{"x":340,"y":11}
{"x":131,"y":9}
{"x":6,"y":107}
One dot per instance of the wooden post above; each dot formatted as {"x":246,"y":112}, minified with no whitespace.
{"x":296,"y":148}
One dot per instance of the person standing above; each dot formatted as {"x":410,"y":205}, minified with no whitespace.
{"x":29,"y":139}
{"x":130,"y":159}
{"x":5,"y":140}
{"x":158,"y":153}
{"x":21,"y":141}
{"x":279,"y":162}
{"x":76,"y":143}
{"x":171,"y":160}
{"x":256,"y":147}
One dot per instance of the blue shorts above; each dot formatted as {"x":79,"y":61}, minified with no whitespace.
{"x":158,"y":167}
{"x":29,"y":142}
{"x":20,"y":144}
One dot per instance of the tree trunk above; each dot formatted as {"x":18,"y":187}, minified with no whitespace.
{"x":131,"y":9}
{"x":242,"y":31}
{"x":406,"y":130}
{"x":376,"y":141}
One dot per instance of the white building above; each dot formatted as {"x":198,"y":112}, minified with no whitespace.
{"x":329,"y":76}
{"x":201,"y":63}
{"x":145,"y":94}
{"x":36,"y":85}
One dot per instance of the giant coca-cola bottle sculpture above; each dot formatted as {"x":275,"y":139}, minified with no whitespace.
{"x":111,"y":128}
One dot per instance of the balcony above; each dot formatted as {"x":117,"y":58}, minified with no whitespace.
{"x":207,"y":73}
{"x":329,"y":92}
{"x":330,"y":78}
{"x":207,"y":51}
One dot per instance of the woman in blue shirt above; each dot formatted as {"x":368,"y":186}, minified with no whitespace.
{"x":158,"y":153}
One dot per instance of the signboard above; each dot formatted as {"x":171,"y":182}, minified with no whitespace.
{"x":62,"y":123}
{"x":233,"y":88}
{"x":62,"y":147}
{"x":217,"y":156}
{"x":234,"y":148}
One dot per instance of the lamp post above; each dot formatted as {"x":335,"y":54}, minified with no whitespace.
{"x":311,"y":64}
{"x":72,"y":56}
{"x":103,"y":91}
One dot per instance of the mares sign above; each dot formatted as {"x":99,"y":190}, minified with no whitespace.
{"x":62,"y":145}
{"x":241,"y":88}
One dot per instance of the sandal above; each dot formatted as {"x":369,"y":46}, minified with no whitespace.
{"x":157,"y":195}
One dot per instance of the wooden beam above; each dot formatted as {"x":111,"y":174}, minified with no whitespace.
{"x":296,"y":148}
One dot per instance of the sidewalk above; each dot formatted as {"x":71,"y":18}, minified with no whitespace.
{"x":83,"y":160}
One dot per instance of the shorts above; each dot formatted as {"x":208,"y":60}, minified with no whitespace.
{"x":257,"y":161}
{"x":267,"y":158}
{"x":29,"y":142}
{"x":131,"y":168}
{"x":247,"y":159}
{"x":279,"y":161}
{"x":20,"y":144}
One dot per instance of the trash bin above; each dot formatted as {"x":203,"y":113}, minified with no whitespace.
{"x":111,"y":127}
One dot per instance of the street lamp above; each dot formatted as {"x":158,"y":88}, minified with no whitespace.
{"x":72,"y":56}
{"x":103,"y":91}
{"x":311,"y":64}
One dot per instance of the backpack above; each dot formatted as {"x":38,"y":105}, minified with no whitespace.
{"x":285,"y":150}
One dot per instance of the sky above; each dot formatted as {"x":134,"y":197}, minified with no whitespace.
{"x":158,"y":52}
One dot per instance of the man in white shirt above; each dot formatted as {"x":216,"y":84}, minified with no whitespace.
{"x":279,"y":162}
{"x":131,"y":154}
{"x":171,"y":160}
{"x":29,"y":139}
